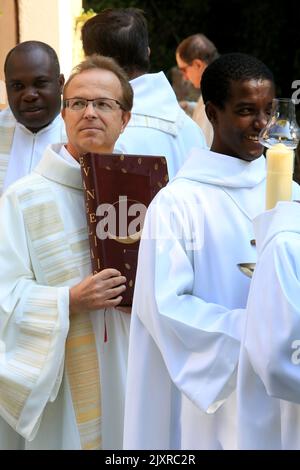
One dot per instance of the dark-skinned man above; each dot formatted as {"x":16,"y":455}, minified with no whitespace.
{"x":32,"y":121}
{"x":190,"y":297}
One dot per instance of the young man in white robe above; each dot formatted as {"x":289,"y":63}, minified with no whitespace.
{"x":158,"y":125}
{"x":32,"y":121}
{"x":190,"y":297}
{"x":269,"y":370}
{"x":61,"y":385}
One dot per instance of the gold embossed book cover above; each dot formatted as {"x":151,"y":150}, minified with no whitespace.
{"x":118,"y":189}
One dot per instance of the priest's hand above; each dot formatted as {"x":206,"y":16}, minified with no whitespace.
{"x":101,"y":290}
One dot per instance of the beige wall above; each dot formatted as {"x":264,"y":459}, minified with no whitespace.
{"x":8,"y":37}
{"x":50,"y":21}
{"x":53,"y":22}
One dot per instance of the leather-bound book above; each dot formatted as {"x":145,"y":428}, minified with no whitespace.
{"x":118,"y":189}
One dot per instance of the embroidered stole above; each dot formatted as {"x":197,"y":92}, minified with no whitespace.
{"x":59,"y":255}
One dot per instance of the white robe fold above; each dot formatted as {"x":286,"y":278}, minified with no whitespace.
{"x":189,"y":303}
{"x":43,"y":251}
{"x":158,"y":126}
{"x":21,"y":149}
{"x":269,"y":372}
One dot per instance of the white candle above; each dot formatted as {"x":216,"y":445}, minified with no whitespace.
{"x":280,"y":164}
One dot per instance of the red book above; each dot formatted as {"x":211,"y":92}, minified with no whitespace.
{"x":118,"y":189}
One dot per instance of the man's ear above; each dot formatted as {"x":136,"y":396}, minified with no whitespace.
{"x":125,"y":119}
{"x":61,"y":80}
{"x":211,"y":112}
{"x":200,"y":64}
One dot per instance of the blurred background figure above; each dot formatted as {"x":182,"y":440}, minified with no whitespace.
{"x":193,"y":55}
{"x":184,"y":90}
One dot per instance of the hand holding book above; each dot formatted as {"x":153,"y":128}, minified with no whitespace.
{"x":102,"y":290}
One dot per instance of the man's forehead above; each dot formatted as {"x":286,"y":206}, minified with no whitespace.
{"x":95,"y":78}
{"x":34,"y":62}
{"x":33,"y":52}
{"x":240,"y":89}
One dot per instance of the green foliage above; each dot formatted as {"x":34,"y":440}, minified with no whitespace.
{"x":85,"y":15}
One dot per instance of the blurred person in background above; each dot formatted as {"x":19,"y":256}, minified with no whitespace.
{"x":193,"y":55}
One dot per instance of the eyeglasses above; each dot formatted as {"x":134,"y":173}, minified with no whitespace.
{"x":102,"y":105}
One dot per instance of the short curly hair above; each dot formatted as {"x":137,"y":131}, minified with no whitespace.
{"x":29,"y":46}
{"x":217,"y":77}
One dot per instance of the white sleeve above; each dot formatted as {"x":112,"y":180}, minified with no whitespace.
{"x":196,"y":339}
{"x":272,"y":336}
{"x":34,"y":322}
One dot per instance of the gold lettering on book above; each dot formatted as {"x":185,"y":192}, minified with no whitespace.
{"x":90,"y":197}
{"x":92,"y":218}
{"x":90,"y":193}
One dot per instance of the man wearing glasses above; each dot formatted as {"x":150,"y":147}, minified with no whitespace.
{"x":62,"y":387}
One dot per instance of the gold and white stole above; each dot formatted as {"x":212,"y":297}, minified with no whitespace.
{"x":59,"y":255}
{"x":7,"y":129}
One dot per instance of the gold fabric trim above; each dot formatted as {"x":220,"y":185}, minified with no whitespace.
{"x":23,"y":368}
{"x":59,"y":255}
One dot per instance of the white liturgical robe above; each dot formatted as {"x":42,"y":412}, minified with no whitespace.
{"x":269,"y":372}
{"x":189,"y":302}
{"x":61,"y":385}
{"x":158,"y":125}
{"x":21,"y":149}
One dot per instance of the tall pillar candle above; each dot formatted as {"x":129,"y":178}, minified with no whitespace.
{"x":280,"y":164}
